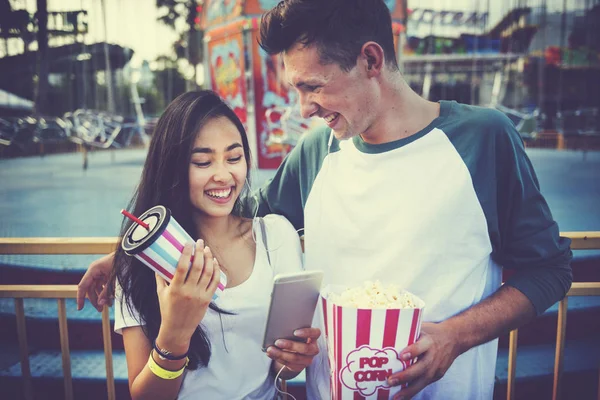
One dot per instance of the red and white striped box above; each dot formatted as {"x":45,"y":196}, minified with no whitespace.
{"x":364,"y":346}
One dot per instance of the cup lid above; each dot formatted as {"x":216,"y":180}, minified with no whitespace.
{"x":137,"y":238}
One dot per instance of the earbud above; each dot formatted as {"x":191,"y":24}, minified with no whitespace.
{"x":330,"y":142}
{"x":254,"y":196}
{"x":370,"y":62}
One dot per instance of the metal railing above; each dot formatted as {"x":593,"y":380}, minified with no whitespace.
{"x":577,"y":289}
{"x":580,"y":241}
{"x":82,"y":245}
{"x":59,"y":292}
{"x":91,"y":245}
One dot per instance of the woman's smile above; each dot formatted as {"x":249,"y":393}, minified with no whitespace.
{"x":220,"y":196}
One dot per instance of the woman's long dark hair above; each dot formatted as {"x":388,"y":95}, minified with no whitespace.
{"x":165,"y":181}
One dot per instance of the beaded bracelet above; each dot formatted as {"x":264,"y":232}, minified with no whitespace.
{"x":163,"y":372}
{"x":167,"y":355}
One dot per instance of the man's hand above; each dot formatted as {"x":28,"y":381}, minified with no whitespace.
{"x":436,"y":350}
{"x":94,"y":284}
{"x":440,"y":344}
{"x":295,"y":356}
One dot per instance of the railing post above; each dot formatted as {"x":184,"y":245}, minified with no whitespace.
{"x":84,"y":151}
{"x":64,"y":349}
{"x":512,"y":364}
{"x":23,"y":349}
{"x":560,"y":142}
{"x":561,"y":331}
{"x":106,"y":331}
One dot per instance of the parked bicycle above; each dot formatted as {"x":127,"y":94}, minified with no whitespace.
{"x":87,"y":128}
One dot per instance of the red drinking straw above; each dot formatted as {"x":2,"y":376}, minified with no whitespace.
{"x":135,"y":219}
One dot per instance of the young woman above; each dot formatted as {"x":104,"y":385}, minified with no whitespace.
{"x":178,"y":343}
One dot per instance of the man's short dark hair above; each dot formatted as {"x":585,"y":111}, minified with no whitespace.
{"x":339,"y":29}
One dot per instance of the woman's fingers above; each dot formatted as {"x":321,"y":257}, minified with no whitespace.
{"x":288,"y":358}
{"x":204,"y":271}
{"x":183,"y":265}
{"x":216,"y":277}
{"x":197,"y":264}
{"x":308,"y":349}
{"x":207,"y":273}
{"x":160,"y":283}
{"x":292,"y":367}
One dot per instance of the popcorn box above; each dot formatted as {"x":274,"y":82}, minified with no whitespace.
{"x":160,"y":246}
{"x":364,"y":345}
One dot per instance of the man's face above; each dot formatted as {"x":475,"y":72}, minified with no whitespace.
{"x":345,"y":100}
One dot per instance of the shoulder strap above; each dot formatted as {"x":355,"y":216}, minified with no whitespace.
{"x":263,"y":232}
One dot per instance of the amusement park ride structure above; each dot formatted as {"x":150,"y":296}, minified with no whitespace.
{"x":475,"y":63}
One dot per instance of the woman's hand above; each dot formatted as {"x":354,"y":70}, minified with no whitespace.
{"x":184,"y":302}
{"x":295,"y":356}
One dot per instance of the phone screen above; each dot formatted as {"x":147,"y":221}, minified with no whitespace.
{"x":293,"y":304}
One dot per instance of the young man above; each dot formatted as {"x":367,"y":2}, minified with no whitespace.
{"x":435,"y":197}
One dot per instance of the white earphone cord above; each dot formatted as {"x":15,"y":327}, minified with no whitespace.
{"x":255,"y":198}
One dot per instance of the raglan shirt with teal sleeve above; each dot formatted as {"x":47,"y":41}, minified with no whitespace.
{"x":439,"y":213}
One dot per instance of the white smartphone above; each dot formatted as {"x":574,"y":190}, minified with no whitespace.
{"x":293,"y":303}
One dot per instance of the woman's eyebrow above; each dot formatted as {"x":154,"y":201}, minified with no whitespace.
{"x":208,"y":150}
{"x":233,"y":146}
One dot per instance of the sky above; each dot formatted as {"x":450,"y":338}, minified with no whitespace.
{"x":133,"y":23}
{"x":130,"y":23}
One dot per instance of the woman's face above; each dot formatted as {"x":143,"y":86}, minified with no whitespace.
{"x":217,"y":168}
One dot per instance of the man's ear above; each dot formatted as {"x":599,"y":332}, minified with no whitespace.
{"x":372,"y":58}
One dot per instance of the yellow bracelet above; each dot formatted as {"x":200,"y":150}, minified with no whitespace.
{"x":162,"y":372}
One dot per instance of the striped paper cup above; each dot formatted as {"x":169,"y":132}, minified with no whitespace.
{"x":364,"y":346}
{"x":160,"y":246}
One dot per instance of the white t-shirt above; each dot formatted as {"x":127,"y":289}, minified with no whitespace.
{"x":238,"y":368}
{"x":434,"y":243}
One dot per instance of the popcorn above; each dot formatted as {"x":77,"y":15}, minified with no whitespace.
{"x":366,"y":328}
{"x":374,"y":295}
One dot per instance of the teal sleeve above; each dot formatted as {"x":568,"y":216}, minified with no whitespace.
{"x":529,"y":238}
{"x":281,"y":195}
{"x":287,"y":192}
{"x":524,"y":237}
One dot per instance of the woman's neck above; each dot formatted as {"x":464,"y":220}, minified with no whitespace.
{"x":217,"y":229}
{"x":230,"y":241}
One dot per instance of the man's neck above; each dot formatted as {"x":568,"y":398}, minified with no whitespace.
{"x":403,"y":113}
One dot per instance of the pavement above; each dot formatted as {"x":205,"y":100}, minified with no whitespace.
{"x":53,"y":196}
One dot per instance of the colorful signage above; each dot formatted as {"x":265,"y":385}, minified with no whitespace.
{"x":219,"y":11}
{"x":226,"y":73}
